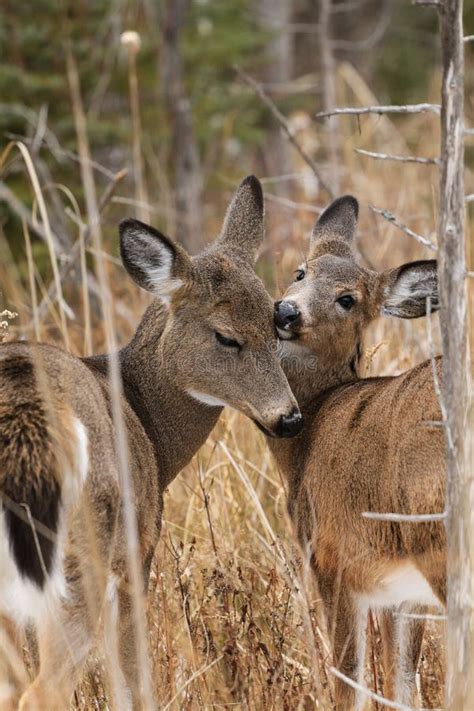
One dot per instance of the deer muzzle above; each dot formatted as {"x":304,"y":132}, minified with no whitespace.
{"x":286,"y":316}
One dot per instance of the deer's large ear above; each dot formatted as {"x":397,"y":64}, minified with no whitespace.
{"x":243,"y":229}
{"x":338,"y":221}
{"x":155,"y":263}
{"x":406,"y":289}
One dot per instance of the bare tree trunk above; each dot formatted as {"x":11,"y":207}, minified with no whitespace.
{"x":274,"y":17}
{"x":185,"y":155}
{"x":452,"y":271}
{"x":328,"y":71}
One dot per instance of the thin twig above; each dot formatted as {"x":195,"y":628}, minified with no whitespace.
{"x":154,"y":209}
{"x":292,"y":205}
{"x":404,"y":518}
{"x":420,"y":616}
{"x":206,"y":506}
{"x":47,"y":229}
{"x":300,"y":175}
{"x":432,"y":423}
{"x":387,"y":215}
{"x":371,"y":694}
{"x":437,"y":4}
{"x":400,"y":159}
{"x":31,"y":278}
{"x":284,"y":124}
{"x":192,"y":678}
{"x":34,"y":532}
{"x":131,"y":544}
{"x":24,"y":514}
{"x":379,"y":110}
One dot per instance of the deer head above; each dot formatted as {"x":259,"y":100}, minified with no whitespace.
{"x":333,"y":299}
{"x":219,"y":344}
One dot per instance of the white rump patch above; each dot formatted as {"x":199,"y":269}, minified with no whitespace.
{"x":209,"y":400}
{"x":403,"y":584}
{"x":21,"y":599}
{"x":74,"y":480}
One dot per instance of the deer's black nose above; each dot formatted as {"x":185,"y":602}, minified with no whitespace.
{"x":289,"y":425}
{"x":286,"y":314}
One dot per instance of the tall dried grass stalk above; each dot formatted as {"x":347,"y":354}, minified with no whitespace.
{"x":133,"y":550}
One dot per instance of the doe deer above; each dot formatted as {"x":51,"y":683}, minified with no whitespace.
{"x":367,"y":445}
{"x":214,"y":345}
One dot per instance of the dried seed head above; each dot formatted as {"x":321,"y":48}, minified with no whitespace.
{"x":131,"y":40}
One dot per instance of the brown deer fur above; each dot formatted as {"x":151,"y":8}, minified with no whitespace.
{"x":58,"y":456}
{"x":367,"y":445}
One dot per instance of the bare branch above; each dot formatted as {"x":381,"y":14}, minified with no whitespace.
{"x":400,"y":159}
{"x":345,"y":7}
{"x":193,"y":677}
{"x":436,"y":4}
{"x":402,"y":109}
{"x":387,"y":215}
{"x":292,"y":205}
{"x":469,"y":198}
{"x":404,"y":518}
{"x":284,"y":124}
{"x":420,"y":616}
{"x":468,"y":38}
{"x":433,"y":423}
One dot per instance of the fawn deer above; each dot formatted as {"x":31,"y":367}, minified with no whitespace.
{"x":367,"y":445}
{"x":214,"y":345}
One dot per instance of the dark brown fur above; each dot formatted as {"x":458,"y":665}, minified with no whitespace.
{"x":28,"y":469}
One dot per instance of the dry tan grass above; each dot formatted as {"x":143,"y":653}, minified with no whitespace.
{"x":234,"y":619}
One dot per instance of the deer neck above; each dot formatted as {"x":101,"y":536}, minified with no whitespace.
{"x":175,"y":423}
{"x":310,"y":375}
{"x":310,"y":378}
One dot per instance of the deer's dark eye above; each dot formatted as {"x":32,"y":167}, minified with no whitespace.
{"x":300,"y":274}
{"x":227,"y":342}
{"x":347,"y":302}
